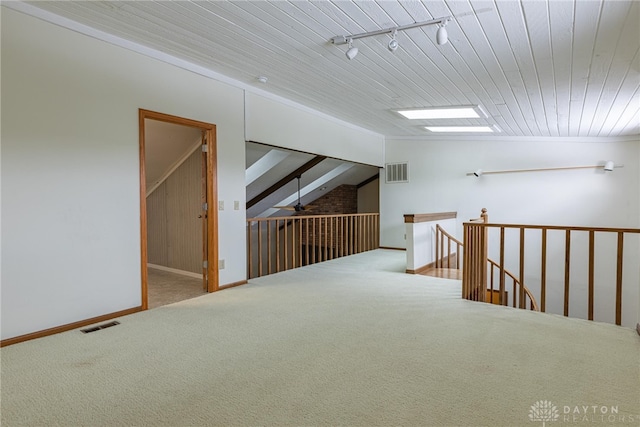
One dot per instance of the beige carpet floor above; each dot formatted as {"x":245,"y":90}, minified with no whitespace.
{"x":165,"y":287}
{"x":349,"y":342}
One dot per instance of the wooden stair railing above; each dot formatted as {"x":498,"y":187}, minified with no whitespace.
{"x":517,"y":285}
{"x":451,"y":259}
{"x":277,"y":244}
{"x":611,"y":255}
{"x":448,"y":259}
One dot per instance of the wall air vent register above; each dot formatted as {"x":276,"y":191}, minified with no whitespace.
{"x":397,"y":172}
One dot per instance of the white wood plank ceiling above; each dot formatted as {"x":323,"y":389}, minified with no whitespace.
{"x":538,"y":68}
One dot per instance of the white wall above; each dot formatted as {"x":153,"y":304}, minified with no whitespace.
{"x":589,"y":197}
{"x":369,"y":197}
{"x":438,"y":183}
{"x":275,"y":123}
{"x":71,"y":220}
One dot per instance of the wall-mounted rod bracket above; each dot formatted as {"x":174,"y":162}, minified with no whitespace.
{"x":607,"y":167}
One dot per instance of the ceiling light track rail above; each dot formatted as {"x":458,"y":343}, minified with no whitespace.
{"x":441,"y":35}
{"x":339,"y":40}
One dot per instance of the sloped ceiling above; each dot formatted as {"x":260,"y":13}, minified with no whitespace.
{"x":538,"y":68}
{"x":166,"y":144}
{"x":319,"y":180}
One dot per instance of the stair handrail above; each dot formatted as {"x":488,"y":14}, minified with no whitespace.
{"x":532,"y":301}
{"x":614,"y":239}
{"x":441,"y":233}
{"x":439,"y":262}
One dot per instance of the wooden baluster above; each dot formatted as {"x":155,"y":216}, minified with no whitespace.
{"x":315,"y":241}
{"x":503,"y":296}
{"x":269,"y":246}
{"x":437,"y":245}
{"x":285,"y":240}
{"x":492,"y":268}
{"x":293,"y":243}
{"x":332,"y":237}
{"x":250,"y":249}
{"x":591,"y":271}
{"x":376,"y":223}
{"x":567,"y":271}
{"x":306,"y":238}
{"x":360,"y":234}
{"x":466,"y":270}
{"x":474,"y":260}
{"x":349,"y":237}
{"x":354,"y":235}
{"x":326,"y":238}
{"x":365,"y":233}
{"x":300,"y":242}
{"x":523,"y":301}
{"x":441,"y":250}
{"x":543,"y":271}
{"x":484,"y":260}
{"x":369,"y":221}
{"x":619,"y":279}
{"x":278,"y":245}
{"x":259,"y":248}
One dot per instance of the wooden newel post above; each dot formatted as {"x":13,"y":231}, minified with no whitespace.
{"x":484,"y":215}
{"x":474,"y":272}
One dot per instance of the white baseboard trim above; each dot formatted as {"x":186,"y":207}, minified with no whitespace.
{"x":175,"y":270}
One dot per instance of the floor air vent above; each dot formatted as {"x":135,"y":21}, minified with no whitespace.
{"x":397,"y":172}
{"x":97,"y":328}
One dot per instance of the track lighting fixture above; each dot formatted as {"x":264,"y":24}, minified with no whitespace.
{"x":393,"y":43}
{"x":352,"y":51}
{"x":441,"y":35}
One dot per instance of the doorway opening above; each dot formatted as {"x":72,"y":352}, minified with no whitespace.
{"x":178,"y":222}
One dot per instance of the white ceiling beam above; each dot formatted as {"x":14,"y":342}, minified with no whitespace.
{"x":263,"y":165}
{"x":335,"y":172}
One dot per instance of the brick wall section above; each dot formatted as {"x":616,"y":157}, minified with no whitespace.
{"x":340,"y":200}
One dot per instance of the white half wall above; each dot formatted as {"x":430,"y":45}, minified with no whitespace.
{"x":421,"y":241}
{"x":275,"y":123}
{"x":70,"y":171}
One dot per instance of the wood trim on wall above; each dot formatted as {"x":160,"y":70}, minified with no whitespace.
{"x":422,"y":269}
{"x":415,"y":218}
{"x":392,"y":248}
{"x":143,"y":212}
{"x":69,"y":326}
{"x":433,"y":264}
{"x":233,"y":285}
{"x":212,"y":194}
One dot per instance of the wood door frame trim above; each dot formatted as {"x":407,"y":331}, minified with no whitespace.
{"x":212,"y":195}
